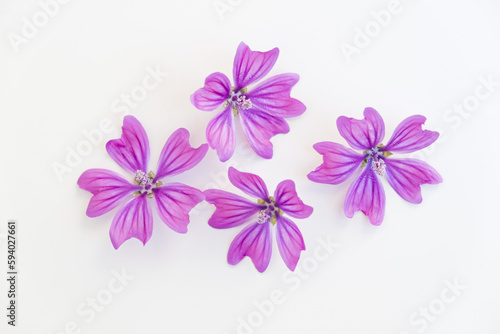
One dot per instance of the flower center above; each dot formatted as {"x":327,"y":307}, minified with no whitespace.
{"x":376,"y":156}
{"x":238,"y":100}
{"x":271,"y":212}
{"x":146,"y":181}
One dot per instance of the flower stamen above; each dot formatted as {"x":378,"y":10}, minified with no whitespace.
{"x":146,"y":181}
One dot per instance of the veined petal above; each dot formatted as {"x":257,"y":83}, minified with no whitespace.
{"x":250,"y":184}
{"x":409,"y":136}
{"x":290,"y":241}
{"x":273,"y":96}
{"x":220,"y":134}
{"x":366,"y":194}
{"x":131,"y":151}
{"x":178,"y":155}
{"x":259,"y":127}
{"x":213,"y":94}
{"x":230,"y":210}
{"x":133,"y":220}
{"x":173,"y":202}
{"x":109,"y":190}
{"x":287,"y":200}
{"x":365,"y":133}
{"x":255,"y":242}
{"x":406,"y":175}
{"x":339,"y":163}
{"x":250,"y":66}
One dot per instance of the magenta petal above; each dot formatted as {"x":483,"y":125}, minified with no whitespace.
{"x":178,"y":155}
{"x":109,"y":190}
{"x":273,"y":96}
{"x":133,"y":220}
{"x":173,"y":202}
{"x":231,"y":210}
{"x":406,"y":175}
{"x":250,"y":184}
{"x":362,"y":134}
{"x":131,"y":151}
{"x":213,"y":94}
{"x":339,"y":163}
{"x":366,"y":194}
{"x":255,"y":242}
{"x":250,"y":66}
{"x":259,"y":127}
{"x":220,"y":134}
{"x":290,"y":241}
{"x":409,"y":136}
{"x":287,"y":200}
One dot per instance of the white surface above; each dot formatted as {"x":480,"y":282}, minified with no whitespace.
{"x":427,"y":59}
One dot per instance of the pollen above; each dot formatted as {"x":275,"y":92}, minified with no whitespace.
{"x":243,"y":103}
{"x":379,"y":167}
{"x":146,"y":181}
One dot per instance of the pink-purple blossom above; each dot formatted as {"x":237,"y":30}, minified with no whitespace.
{"x":261,"y":109}
{"x":173,"y":201}
{"x":405,"y":176}
{"x":255,"y":240}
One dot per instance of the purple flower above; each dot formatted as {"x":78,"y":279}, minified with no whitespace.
{"x":262,"y":109}
{"x":173,"y":201}
{"x":405,"y":176}
{"x":255,"y":240}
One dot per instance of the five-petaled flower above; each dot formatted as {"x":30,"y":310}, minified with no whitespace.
{"x":405,"y":176}
{"x":173,"y":201}
{"x":261,"y":110}
{"x":255,"y":239}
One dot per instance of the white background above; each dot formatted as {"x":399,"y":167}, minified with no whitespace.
{"x":65,"y":79}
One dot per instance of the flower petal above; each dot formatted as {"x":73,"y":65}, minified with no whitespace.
{"x":290,"y":241}
{"x":366,"y":194}
{"x":255,"y":242}
{"x":131,"y":151}
{"x":273,"y":96}
{"x":259,"y":127}
{"x":178,"y":155}
{"x":409,"y":136}
{"x":287,"y":200}
{"x":406,"y":175}
{"x":250,"y":66}
{"x":250,"y":184}
{"x":339,"y":163}
{"x":133,"y":220}
{"x":109,"y":189}
{"x":213,"y":94}
{"x":173,"y":202}
{"x":362,"y":134}
{"x":230,"y":210}
{"x":220,"y":134}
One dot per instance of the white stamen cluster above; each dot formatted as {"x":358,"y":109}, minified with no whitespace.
{"x":379,"y":167}
{"x":141,"y":178}
{"x":263,"y":216}
{"x":243,"y":103}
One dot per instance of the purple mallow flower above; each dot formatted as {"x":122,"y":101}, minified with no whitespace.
{"x":255,"y":239}
{"x":261,"y":109}
{"x":173,"y":201}
{"x":405,"y":176}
